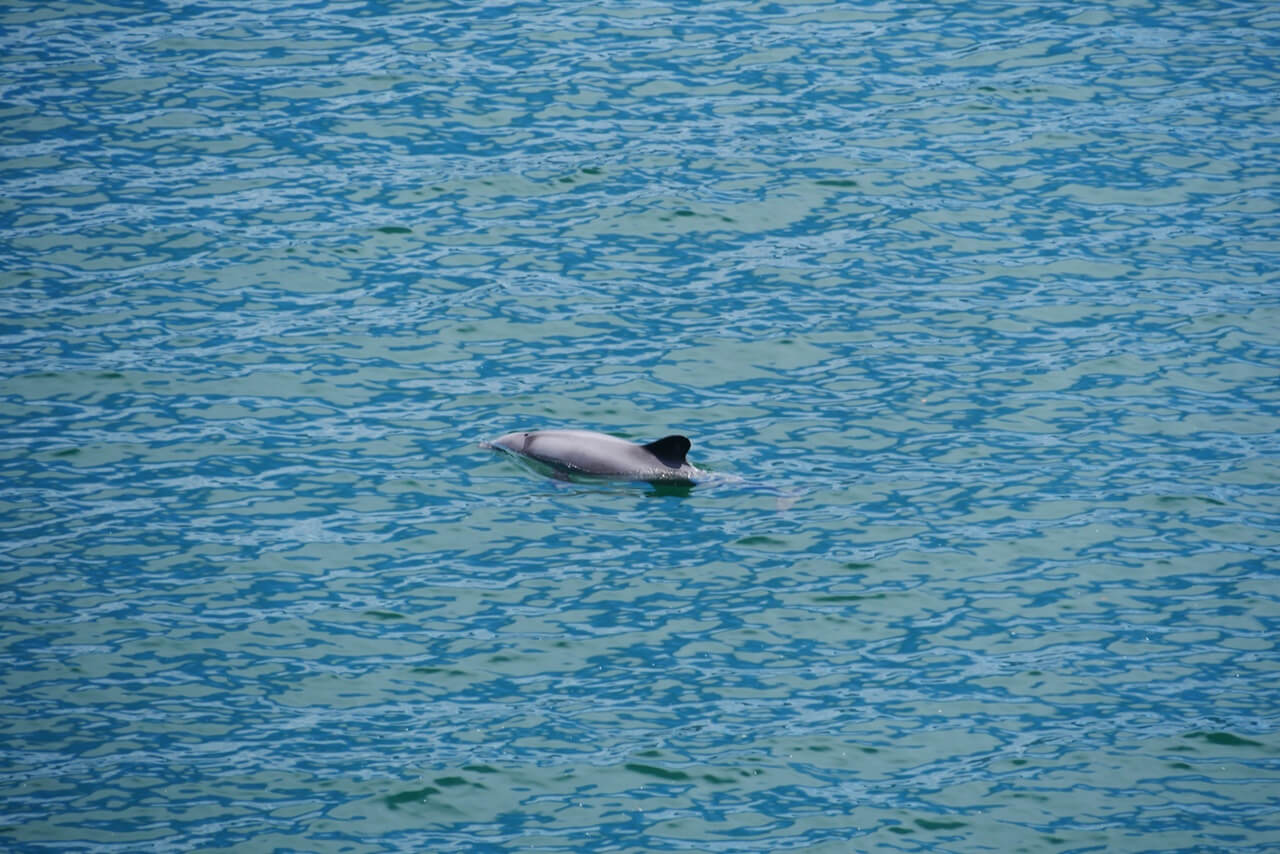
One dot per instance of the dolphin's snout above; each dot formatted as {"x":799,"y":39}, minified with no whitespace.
{"x":514,"y":442}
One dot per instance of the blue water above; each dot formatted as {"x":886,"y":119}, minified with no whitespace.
{"x":972,"y":308}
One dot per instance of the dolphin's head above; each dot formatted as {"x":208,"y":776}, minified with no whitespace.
{"x":513,"y":442}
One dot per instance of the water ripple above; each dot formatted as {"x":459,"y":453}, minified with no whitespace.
{"x":978,"y":302}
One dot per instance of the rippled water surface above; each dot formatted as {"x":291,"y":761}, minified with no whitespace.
{"x":973,"y":307}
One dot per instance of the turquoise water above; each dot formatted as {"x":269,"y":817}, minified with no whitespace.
{"x":973,"y":308}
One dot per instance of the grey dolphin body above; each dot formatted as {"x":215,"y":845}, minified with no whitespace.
{"x":586,"y":452}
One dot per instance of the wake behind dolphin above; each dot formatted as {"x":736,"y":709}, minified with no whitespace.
{"x":586,"y":453}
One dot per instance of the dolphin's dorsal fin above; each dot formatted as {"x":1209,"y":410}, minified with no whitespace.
{"x":670,"y":450}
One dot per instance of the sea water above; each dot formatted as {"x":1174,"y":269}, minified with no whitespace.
{"x":972,"y":306}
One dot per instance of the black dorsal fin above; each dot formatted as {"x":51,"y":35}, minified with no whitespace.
{"x":670,"y":449}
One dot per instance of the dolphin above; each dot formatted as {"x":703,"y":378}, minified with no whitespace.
{"x":566,"y":453}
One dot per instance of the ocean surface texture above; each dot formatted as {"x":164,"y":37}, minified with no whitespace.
{"x":972,"y":309}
